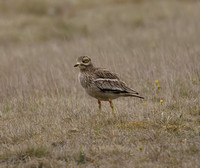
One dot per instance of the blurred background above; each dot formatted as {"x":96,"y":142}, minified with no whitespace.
{"x":38,"y":21}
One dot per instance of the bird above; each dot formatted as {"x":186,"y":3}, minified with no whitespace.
{"x":102,"y":84}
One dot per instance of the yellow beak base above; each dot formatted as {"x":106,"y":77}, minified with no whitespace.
{"x":77,"y":64}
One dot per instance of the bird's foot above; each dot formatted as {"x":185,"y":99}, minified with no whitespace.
{"x":111,"y":105}
{"x":99,"y":102}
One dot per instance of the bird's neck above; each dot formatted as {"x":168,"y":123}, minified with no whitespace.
{"x":88,"y":68}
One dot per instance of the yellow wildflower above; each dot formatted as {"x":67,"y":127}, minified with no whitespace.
{"x":156,"y":81}
{"x":158,"y":86}
{"x":161,"y":100}
{"x":140,"y":147}
{"x":194,"y":80}
{"x":41,"y":102}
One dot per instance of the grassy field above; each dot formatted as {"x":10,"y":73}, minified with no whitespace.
{"x":46,"y":118}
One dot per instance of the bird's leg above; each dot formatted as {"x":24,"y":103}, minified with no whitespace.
{"x":99,"y":102}
{"x":111,"y":105}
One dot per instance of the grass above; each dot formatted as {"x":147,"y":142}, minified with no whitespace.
{"x":46,"y":118}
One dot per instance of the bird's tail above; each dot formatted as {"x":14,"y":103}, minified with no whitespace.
{"x":133,"y":95}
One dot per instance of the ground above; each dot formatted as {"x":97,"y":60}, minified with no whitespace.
{"x":46,"y":118}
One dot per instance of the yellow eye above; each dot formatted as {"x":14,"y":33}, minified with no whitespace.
{"x":85,"y":61}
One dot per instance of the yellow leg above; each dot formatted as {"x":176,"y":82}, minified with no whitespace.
{"x":111,"y":105}
{"x":99,"y":102}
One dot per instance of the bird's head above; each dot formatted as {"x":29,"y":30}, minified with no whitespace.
{"x":83,"y":62}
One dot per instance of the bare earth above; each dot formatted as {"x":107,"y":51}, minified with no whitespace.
{"x":46,"y":118}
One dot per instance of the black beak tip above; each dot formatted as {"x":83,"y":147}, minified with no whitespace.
{"x":75,"y":65}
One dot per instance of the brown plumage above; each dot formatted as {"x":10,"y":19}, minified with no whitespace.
{"x":101,"y":83}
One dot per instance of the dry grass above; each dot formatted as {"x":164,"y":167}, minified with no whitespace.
{"x":47,"y":120}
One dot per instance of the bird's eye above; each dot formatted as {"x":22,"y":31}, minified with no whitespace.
{"x":85,"y":61}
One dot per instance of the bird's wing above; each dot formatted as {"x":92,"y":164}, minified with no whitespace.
{"x":115,"y":86}
{"x":110,"y":85}
{"x":108,"y":81}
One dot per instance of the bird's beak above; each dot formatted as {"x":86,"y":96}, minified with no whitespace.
{"x":77,"y":64}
